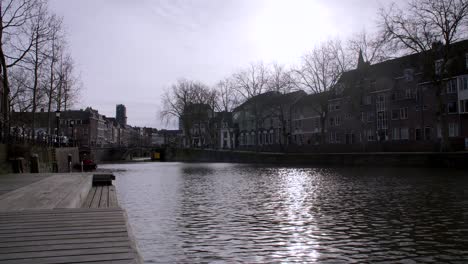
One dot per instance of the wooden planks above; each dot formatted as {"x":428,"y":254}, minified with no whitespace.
{"x":65,"y":236}
{"x":56,"y":191}
{"x":101,"y":197}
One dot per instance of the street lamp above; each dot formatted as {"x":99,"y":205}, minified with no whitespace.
{"x":57,"y":119}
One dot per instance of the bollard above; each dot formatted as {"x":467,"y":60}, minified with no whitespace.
{"x":69,"y":162}
{"x":82,"y":166}
{"x":34,"y":163}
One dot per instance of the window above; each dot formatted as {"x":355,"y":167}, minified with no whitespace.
{"x":367,"y":100}
{"x":408,"y":93}
{"x":339,"y":89}
{"x":464,"y":83}
{"x":316,"y":123}
{"x":453,"y":130}
{"x":362,"y":117}
{"x":404,"y":133}
{"x":427,"y":133}
{"x":380,"y":102}
{"x":334,"y":106}
{"x":418,"y":134}
{"x":338,"y":121}
{"x":395,"y":114}
{"x":370,"y":117}
{"x":408,"y":74}
{"x":452,"y":86}
{"x":404,"y":113}
{"x":396,"y":133}
{"x":438,"y":67}
{"x":382,"y":120}
{"x":347,"y":116}
{"x":334,"y":137}
{"x":463,"y":106}
{"x":370,"y":135}
{"x":332,"y":121}
{"x":452,"y":107}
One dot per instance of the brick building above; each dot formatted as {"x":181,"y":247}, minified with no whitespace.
{"x":394,"y":103}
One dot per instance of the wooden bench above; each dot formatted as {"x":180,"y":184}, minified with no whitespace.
{"x":101,"y":197}
{"x":103,"y":179}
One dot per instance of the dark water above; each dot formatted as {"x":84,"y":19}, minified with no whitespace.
{"x":218,"y":213}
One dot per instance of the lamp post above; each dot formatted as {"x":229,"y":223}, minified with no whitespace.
{"x":57,"y":119}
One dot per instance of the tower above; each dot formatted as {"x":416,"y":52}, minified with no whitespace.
{"x":121,"y":114}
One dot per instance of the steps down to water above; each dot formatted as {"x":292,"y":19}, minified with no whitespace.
{"x":66,"y":236}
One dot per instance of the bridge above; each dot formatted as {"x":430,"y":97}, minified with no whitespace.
{"x":125,"y":153}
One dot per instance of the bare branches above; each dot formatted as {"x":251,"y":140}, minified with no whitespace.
{"x":423,"y":23}
{"x":373,"y":47}
{"x":251,"y":81}
{"x":227,"y":95}
{"x":321,"y":68}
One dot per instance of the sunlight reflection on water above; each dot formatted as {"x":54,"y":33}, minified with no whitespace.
{"x":220,"y":213}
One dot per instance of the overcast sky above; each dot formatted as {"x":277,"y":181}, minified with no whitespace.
{"x":129,"y":51}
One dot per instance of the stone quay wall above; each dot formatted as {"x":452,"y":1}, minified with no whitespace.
{"x":45,"y":157}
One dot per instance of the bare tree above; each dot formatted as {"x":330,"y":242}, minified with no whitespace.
{"x":319,"y":73}
{"x":249,"y":83}
{"x":186,"y":101}
{"x":252,"y":81}
{"x":41,"y":32}
{"x":372,"y":47}
{"x":55,"y":48}
{"x":281,"y":80}
{"x":16,"y":41}
{"x":227,"y":95}
{"x":416,"y":27}
{"x":68,"y":87}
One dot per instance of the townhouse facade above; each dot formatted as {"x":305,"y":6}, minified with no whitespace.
{"x":395,"y":104}
{"x":265,"y":120}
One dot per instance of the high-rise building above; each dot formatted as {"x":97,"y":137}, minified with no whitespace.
{"x":121,"y":114}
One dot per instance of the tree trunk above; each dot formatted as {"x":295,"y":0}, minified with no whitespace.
{"x":6,"y":92}
{"x":34,"y":99}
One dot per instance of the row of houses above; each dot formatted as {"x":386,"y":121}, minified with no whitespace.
{"x":88,"y":128}
{"x":389,"y":106}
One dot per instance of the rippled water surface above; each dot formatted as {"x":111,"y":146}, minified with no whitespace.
{"x":217,"y":213}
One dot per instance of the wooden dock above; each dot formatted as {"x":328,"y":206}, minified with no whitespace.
{"x":62,"y":218}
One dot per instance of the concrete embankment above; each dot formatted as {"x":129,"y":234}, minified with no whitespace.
{"x":385,"y":159}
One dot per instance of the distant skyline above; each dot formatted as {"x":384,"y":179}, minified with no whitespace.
{"x":128,"y":52}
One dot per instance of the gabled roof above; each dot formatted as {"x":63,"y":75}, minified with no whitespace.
{"x":395,"y":67}
{"x":270,"y":99}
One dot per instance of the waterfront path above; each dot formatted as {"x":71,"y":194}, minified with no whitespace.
{"x":42,"y":221}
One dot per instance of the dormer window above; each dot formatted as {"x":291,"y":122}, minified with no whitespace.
{"x":408,"y":74}
{"x":438,"y":67}
{"x":339,"y":89}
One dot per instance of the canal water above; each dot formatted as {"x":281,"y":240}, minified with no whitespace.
{"x":234,"y":213}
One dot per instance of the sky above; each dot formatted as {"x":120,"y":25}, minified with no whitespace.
{"x":129,"y":51}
